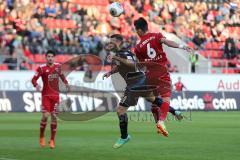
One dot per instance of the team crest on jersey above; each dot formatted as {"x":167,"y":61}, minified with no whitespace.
{"x":57,"y":69}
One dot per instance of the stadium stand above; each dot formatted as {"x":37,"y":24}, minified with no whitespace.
{"x":79,"y":27}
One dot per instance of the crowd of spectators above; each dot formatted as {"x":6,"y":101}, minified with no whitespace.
{"x":25,"y":27}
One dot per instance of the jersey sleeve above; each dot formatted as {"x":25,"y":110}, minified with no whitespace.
{"x":62,"y":76}
{"x":160,"y":36}
{"x":136,"y":52}
{"x":38,"y":73}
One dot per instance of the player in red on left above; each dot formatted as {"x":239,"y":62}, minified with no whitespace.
{"x":50,"y":74}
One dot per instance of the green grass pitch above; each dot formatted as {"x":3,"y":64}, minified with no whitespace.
{"x":209,"y":136}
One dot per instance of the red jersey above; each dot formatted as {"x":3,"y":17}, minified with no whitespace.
{"x":150,"y":52}
{"x":179,"y":86}
{"x":50,"y":77}
{"x":149,"y":49}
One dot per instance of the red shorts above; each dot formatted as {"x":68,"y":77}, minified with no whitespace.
{"x":163,"y":82}
{"x":49,"y":103}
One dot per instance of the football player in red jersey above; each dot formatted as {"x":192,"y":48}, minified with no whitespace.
{"x":150,"y":50}
{"x":179,"y":86}
{"x":50,"y":74}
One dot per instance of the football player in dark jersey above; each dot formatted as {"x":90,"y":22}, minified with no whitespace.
{"x":125,"y":63}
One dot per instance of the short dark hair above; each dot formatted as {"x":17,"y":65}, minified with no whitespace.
{"x":50,"y":52}
{"x":141,"y":23}
{"x":119,"y":37}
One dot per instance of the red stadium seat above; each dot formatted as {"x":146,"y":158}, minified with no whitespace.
{"x":208,"y":45}
{"x":220,"y":54}
{"x":238,"y":45}
{"x":224,"y":62}
{"x":91,"y":2}
{"x":209,"y":53}
{"x":35,"y":66}
{"x":215,"y":63}
{"x":238,"y":30}
{"x":58,"y":24}
{"x":71,"y":24}
{"x":231,"y":29}
{"x":203,"y":53}
{"x":220,"y":45}
{"x":62,"y":58}
{"x":213,"y":71}
{"x":39,"y":58}
{"x":215,"y":45}
{"x":51,"y":23}
{"x":3,"y":67}
{"x":219,"y":62}
{"x":107,"y":68}
{"x":191,"y":44}
{"x":31,"y":57}
{"x":214,"y":54}
{"x":96,"y":68}
{"x":228,"y":70}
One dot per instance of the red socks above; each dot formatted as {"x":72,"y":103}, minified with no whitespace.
{"x":43,"y":124}
{"x":164,"y":111}
{"x":53,"y":130}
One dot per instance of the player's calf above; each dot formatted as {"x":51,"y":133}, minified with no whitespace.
{"x":43,"y":125}
{"x":53,"y":130}
{"x":123,"y":121}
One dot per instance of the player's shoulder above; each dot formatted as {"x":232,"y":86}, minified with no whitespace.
{"x":155,"y":34}
{"x":42,"y":66}
{"x":57,"y":64}
{"x":138,"y":42}
{"x":149,"y":34}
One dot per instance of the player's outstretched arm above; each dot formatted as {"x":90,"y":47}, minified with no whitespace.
{"x":173,"y":44}
{"x":126,"y":62}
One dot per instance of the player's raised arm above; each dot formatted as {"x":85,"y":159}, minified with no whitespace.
{"x":173,"y":44}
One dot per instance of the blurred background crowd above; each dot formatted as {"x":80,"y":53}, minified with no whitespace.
{"x":71,"y":27}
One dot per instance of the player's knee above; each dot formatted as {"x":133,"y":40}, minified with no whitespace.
{"x":123,"y":118}
{"x":150,"y":99}
{"x":44,"y":119}
{"x":53,"y":117}
{"x":45,"y":116}
{"x":120,"y":110}
{"x":166,"y":99}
